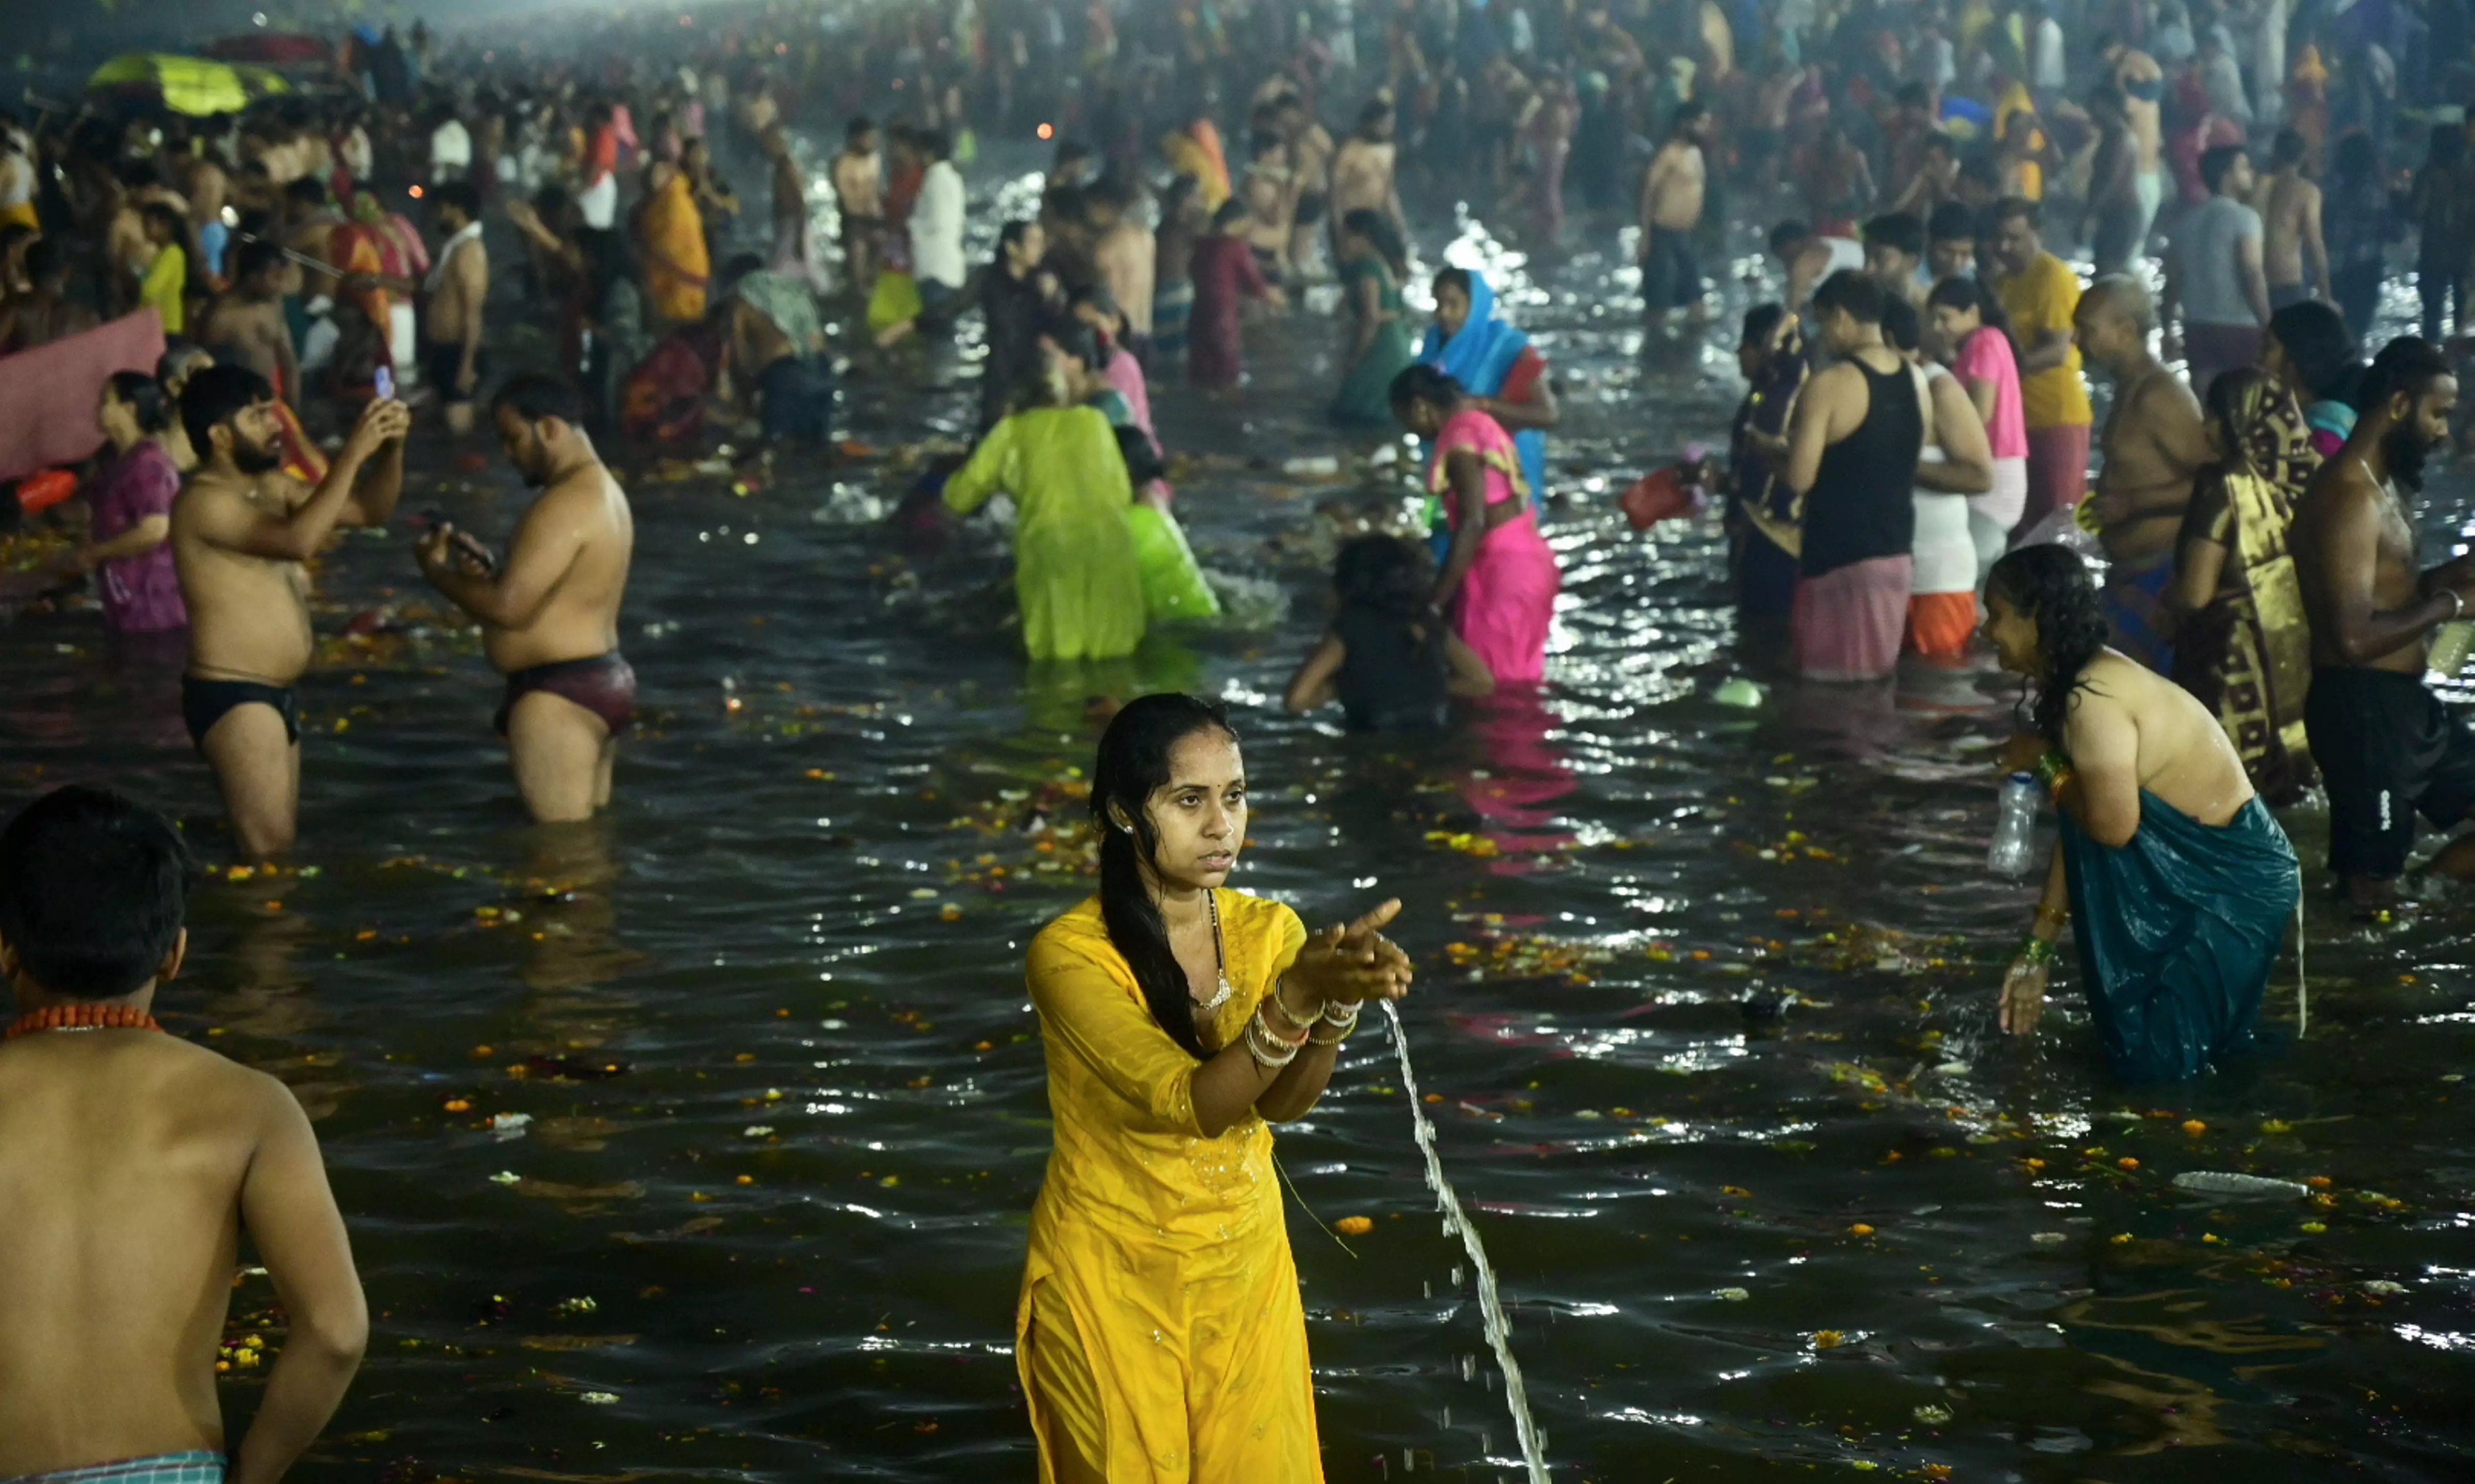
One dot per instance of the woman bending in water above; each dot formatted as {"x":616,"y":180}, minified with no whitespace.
{"x":1499,"y":578}
{"x":2178,"y":877}
{"x":1075,"y":577}
{"x":1159,"y":1334}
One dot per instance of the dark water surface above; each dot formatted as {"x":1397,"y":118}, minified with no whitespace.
{"x":785,"y":1100}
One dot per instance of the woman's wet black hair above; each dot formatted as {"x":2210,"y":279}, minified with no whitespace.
{"x":1144,"y":463}
{"x":2316,"y":338}
{"x":2223,"y":410}
{"x":2051,"y":585}
{"x":1380,"y":234}
{"x":1382,"y":574}
{"x":1761,"y":321}
{"x":1134,"y":760}
{"x":1426,"y":383}
{"x":144,"y":398}
{"x":1903,"y":327}
{"x":1967,"y":291}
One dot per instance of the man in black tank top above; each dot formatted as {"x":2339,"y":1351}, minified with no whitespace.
{"x":1852,"y":455}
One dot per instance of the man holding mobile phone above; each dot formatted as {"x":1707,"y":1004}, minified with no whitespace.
{"x":242,"y":533}
{"x":550,"y":612}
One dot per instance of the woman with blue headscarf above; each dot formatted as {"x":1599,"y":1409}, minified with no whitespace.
{"x":1502,"y":373}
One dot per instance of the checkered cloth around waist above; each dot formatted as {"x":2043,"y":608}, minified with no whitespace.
{"x":195,"y":1467}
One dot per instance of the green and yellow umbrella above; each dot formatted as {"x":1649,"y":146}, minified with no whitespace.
{"x":187,"y":85}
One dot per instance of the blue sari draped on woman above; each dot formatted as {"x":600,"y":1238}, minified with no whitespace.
{"x":1489,"y":358}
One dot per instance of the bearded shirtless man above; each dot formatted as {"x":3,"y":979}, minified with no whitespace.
{"x":549,"y":613}
{"x":2153,"y":444}
{"x":131,"y":1164}
{"x":1364,"y":169}
{"x":859,"y":190}
{"x":2385,"y":748}
{"x":241,"y":534}
{"x":1671,"y":212}
{"x":2290,"y":215}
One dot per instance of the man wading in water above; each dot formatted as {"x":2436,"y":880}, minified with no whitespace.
{"x":2385,"y":748}
{"x":241,"y":534}
{"x":129,"y":1163}
{"x":549,"y":614}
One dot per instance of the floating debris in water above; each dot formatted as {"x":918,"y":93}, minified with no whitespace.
{"x":2234,"y":1185}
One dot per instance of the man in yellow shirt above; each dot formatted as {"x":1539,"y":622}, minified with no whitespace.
{"x":2038,"y":292}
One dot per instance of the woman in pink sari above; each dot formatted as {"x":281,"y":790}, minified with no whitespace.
{"x":1499,"y":578}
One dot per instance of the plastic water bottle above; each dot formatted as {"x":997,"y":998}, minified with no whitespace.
{"x":2450,"y":644}
{"x":2015,"y":828}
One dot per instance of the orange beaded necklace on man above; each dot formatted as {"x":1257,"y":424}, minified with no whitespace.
{"x":82,"y":1017}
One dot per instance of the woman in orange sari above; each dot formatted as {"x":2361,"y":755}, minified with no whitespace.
{"x":670,"y":234}
{"x":1159,"y":1337}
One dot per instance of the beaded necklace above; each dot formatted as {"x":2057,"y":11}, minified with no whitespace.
{"x":1219,"y":959}
{"x":82,"y":1017}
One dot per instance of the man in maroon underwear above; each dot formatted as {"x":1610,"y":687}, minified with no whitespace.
{"x":550,"y":612}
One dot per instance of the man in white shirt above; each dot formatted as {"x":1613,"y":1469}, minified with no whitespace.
{"x":936,"y":231}
{"x":937,"y":224}
{"x":451,"y":149}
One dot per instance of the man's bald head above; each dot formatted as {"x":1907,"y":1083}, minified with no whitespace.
{"x":2120,"y":294}
{"x":2111,"y":325}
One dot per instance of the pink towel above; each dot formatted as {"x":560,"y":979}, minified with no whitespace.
{"x":51,"y":391}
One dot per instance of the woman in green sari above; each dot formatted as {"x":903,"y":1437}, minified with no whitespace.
{"x":1374,"y":262}
{"x":2243,"y":645}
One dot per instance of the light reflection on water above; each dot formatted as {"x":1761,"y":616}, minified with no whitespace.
{"x":797,"y":1207}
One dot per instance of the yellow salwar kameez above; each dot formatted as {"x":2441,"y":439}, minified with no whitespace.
{"x":1160,"y":1337}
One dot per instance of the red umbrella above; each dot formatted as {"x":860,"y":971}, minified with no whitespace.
{"x":273,"y":49}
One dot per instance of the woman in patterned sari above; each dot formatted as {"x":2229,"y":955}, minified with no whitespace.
{"x":2243,"y":645}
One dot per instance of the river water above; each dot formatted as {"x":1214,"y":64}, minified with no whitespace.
{"x":698,"y":1146}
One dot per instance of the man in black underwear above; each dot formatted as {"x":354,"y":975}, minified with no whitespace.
{"x":241,"y":533}
{"x":550,"y":612}
{"x":2387,"y":749}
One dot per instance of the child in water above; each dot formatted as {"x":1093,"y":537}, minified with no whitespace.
{"x":1387,"y":658}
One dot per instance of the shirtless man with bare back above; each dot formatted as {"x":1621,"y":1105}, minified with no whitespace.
{"x":244,"y":326}
{"x":1671,"y":213}
{"x":132,"y":1164}
{"x":2153,"y":445}
{"x":859,"y":190}
{"x":550,"y":612}
{"x":1127,"y":257}
{"x":241,"y":534}
{"x":2142,"y":84}
{"x":2385,"y":748}
{"x":2293,"y":254}
{"x":1364,"y":169}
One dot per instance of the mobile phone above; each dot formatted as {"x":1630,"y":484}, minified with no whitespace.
{"x":385,"y":382}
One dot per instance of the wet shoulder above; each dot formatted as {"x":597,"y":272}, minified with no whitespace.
{"x":205,"y":1092}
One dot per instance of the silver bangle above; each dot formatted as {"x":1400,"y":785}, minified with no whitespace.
{"x":2457,"y":604}
{"x":1257,"y":1034}
{"x":1341,"y":1025}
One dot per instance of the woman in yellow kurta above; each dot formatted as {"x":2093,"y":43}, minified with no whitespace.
{"x":1075,"y":573}
{"x":677,"y":264}
{"x":1159,"y":1336}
